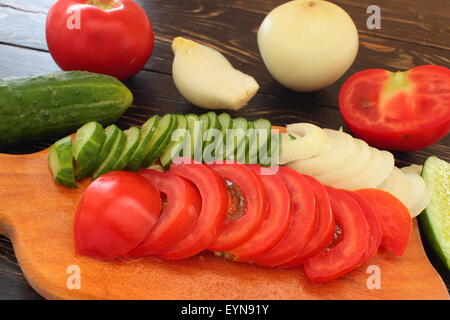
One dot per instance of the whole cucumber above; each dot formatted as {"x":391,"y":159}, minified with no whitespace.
{"x":59,"y":103}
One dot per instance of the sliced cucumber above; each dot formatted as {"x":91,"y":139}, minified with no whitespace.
{"x":147,"y":132}
{"x":111,"y":132}
{"x":240,"y":127}
{"x":86,"y":148}
{"x":114,"y":152}
{"x":132,"y":135}
{"x":212,"y":138}
{"x":195,"y":131}
{"x":60,"y":162}
{"x":204,"y":120}
{"x":263,"y":129}
{"x":251,"y":145}
{"x":436,"y":217}
{"x":174,"y":147}
{"x":160,"y":139}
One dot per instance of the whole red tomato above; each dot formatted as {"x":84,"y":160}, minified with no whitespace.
{"x":113,"y":37}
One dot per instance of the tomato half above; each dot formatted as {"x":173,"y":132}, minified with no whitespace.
{"x":182,"y":207}
{"x":345,"y":252}
{"x":243,"y":222}
{"x":116,"y":212}
{"x":211,"y":219}
{"x":275,"y":223}
{"x":398,"y":110}
{"x":113,"y":37}
{"x":301,"y":226}
{"x":396,"y":222}
{"x":323,"y":225}
{"x":375,"y":230}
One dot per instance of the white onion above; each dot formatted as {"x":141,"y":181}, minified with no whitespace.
{"x":308,"y":44}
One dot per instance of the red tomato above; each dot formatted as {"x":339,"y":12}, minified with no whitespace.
{"x":301,"y":226}
{"x":396,"y":222}
{"x":275,"y":223}
{"x":375,"y":231}
{"x":240,"y":226}
{"x":211,"y":219}
{"x":346,"y":251}
{"x":116,"y":212}
{"x":323,"y":225}
{"x":113,"y":37}
{"x":183,"y":204}
{"x":398,"y":110}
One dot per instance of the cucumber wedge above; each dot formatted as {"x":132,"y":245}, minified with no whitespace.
{"x":114,"y":152}
{"x":133,"y":135}
{"x":174,"y":147}
{"x":147,"y":131}
{"x":160,"y":139}
{"x":436,"y":217}
{"x":60,"y":162}
{"x":86,"y":148}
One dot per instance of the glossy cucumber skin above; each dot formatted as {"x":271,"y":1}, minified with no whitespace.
{"x":59,"y":103}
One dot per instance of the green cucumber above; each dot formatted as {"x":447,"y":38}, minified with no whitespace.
{"x":160,"y":139}
{"x":113,"y":155}
{"x":57,"y":104}
{"x":240,"y":127}
{"x":212,"y":138}
{"x":195,"y":132}
{"x":60,"y":162}
{"x":175,"y":146}
{"x":111,"y":132}
{"x":86,"y":147}
{"x":251,"y":145}
{"x":147,"y":131}
{"x":263,"y":129}
{"x":132,"y":135}
{"x":226,"y":123}
{"x":436,"y":217}
{"x":204,"y":120}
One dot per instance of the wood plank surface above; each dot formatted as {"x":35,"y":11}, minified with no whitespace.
{"x":413,"y":32}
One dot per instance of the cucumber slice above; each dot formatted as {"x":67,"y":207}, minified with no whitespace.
{"x":263,"y":140}
{"x":132,"y":135}
{"x":195,"y":131}
{"x":204,"y":120}
{"x":240,"y":127}
{"x":147,"y":132}
{"x":174,"y":147}
{"x":60,"y":162}
{"x":436,"y":217}
{"x":86,"y":147}
{"x":111,"y":132}
{"x":114,"y":152}
{"x":251,"y":145}
{"x":211,"y":139}
{"x":160,"y":139}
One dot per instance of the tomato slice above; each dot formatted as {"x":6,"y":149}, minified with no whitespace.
{"x":209,"y":223}
{"x":346,"y":251}
{"x":323,"y":225}
{"x":398,"y":110}
{"x":375,"y":231}
{"x":240,"y":226}
{"x":275,"y":223}
{"x":183,"y":204}
{"x":396,"y":222}
{"x":301,"y":226}
{"x":116,"y":212}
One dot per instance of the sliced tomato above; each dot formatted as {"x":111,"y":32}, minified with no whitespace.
{"x":275,"y":223}
{"x":301,"y":226}
{"x":246,"y":220}
{"x":375,"y":231}
{"x":209,"y":223}
{"x":116,"y":212}
{"x":398,"y":110}
{"x":395,"y":220}
{"x":323,"y":225}
{"x":182,"y":207}
{"x":346,"y":250}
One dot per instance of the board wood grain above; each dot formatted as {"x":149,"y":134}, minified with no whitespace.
{"x":38,"y":216}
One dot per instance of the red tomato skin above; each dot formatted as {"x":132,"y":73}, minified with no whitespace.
{"x":396,"y":222}
{"x":211,"y":219}
{"x":301,"y":226}
{"x":177,"y":217}
{"x":116,"y":42}
{"x":324,"y":226}
{"x":116,"y":212}
{"x":236,"y":232}
{"x":275,"y":223}
{"x":344,"y":255}
{"x":411,"y":127}
{"x":375,"y":230}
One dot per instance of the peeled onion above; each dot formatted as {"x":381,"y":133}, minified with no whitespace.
{"x":308,"y":44}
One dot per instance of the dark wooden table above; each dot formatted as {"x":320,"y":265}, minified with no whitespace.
{"x":413,"y":32}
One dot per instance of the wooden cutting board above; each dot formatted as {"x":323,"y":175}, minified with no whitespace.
{"x":38,"y":214}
